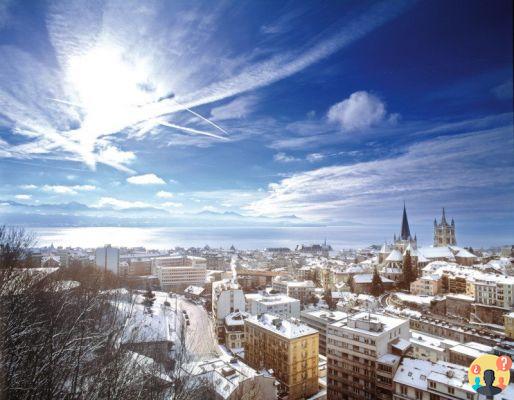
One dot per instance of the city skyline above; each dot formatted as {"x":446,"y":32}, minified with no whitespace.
{"x":258,"y":114}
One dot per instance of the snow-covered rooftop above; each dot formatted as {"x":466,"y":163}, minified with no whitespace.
{"x":368,"y":278}
{"x":289,"y":328}
{"x":416,"y":373}
{"x":236,"y":318}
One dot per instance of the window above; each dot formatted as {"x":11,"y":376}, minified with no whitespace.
{"x":451,"y":390}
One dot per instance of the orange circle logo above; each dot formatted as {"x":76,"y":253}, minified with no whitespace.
{"x":489,"y":374}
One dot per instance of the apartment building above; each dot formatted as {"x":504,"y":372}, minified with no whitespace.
{"x":234,"y":330}
{"x":227,"y":298}
{"x":301,"y":290}
{"x":175,"y":273}
{"x":108,"y":258}
{"x":362,"y":355}
{"x":280,"y":305}
{"x":430,"y":285}
{"x":289,"y":348}
{"x":426,"y":380}
{"x":319,"y":320}
{"x":495,"y":291}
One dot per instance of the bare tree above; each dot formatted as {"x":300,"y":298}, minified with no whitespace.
{"x":61,"y":341}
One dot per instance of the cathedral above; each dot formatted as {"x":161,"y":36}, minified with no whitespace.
{"x":405,"y":240}
{"x":444,"y":233}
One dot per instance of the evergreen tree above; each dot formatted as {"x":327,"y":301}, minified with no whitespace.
{"x":149,"y":299}
{"x":408,"y":272}
{"x":377,"y":287}
{"x":351,"y":283}
{"x":329,"y":300}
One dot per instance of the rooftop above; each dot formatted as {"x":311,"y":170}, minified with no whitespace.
{"x":289,"y":328}
{"x":416,"y":373}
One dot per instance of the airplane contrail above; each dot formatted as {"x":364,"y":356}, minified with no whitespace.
{"x":190,"y":130}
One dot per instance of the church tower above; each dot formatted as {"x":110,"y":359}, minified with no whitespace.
{"x":444,"y":232}
{"x":405,"y":239}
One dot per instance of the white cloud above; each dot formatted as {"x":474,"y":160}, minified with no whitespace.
{"x":504,"y":90}
{"x":236,"y":109}
{"x":164,"y":195}
{"x":284,"y":158}
{"x":360,"y":111}
{"x":146,"y":179}
{"x":23,"y":196}
{"x":457,"y":169}
{"x":28,"y":187}
{"x":315,"y":157}
{"x":118,"y":204}
{"x":63,"y":189}
{"x":108,"y":76}
{"x":171,"y":204}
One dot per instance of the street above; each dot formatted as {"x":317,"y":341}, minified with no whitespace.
{"x":200,"y":338}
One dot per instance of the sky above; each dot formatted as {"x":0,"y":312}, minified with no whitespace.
{"x":272,"y":112}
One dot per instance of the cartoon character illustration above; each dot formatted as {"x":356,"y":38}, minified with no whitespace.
{"x":477,"y":383}
{"x":489,"y":389}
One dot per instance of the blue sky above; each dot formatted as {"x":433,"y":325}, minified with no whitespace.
{"x":332,"y":112}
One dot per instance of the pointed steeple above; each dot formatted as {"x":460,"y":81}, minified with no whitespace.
{"x":443,"y":219}
{"x":405,"y":233}
{"x":453,"y":222}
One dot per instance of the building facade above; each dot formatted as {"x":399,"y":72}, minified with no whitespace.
{"x":319,"y":320}
{"x":227,"y":298}
{"x":108,"y":258}
{"x":176,"y":273}
{"x":275,"y":304}
{"x":444,"y":232}
{"x":289,"y":348}
{"x":355,"y":350}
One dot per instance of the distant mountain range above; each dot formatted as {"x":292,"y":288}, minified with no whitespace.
{"x":78,"y":214}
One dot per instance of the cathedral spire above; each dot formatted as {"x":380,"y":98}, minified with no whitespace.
{"x":405,"y":233}
{"x":443,"y":219}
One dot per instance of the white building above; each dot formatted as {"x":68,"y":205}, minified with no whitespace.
{"x":276,"y":304}
{"x":495,"y":291}
{"x":227,"y":298}
{"x":175,"y":273}
{"x":363,"y":353}
{"x":425,"y":380}
{"x":319,"y":320}
{"x":235,"y":330}
{"x":232,"y":380}
{"x":301,"y":290}
{"x":430,"y":348}
{"x":108,"y":258}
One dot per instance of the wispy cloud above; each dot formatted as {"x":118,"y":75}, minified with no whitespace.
{"x":111,"y":202}
{"x":236,"y":109}
{"x":23,"y":196}
{"x":72,"y":190}
{"x":109,"y":78}
{"x":284,"y":158}
{"x":146,"y":179}
{"x":443,"y":170}
{"x":162,"y":194}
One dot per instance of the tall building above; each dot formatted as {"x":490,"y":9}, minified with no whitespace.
{"x":319,"y":320}
{"x":405,"y":238}
{"x":363,"y":353}
{"x":289,"y":348}
{"x":444,"y":232}
{"x":227,"y":298}
{"x":178,"y":272}
{"x":108,"y":258}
